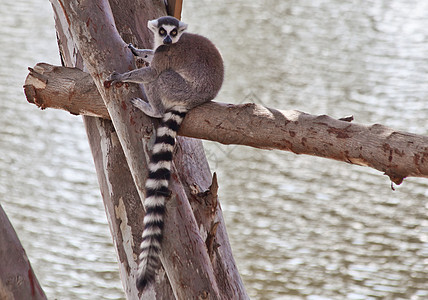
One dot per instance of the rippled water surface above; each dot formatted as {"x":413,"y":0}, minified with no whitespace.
{"x":300,"y":227}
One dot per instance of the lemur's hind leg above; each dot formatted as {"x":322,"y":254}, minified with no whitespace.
{"x":146,"y":108}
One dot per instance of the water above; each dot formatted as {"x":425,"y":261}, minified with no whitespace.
{"x":301,"y":227}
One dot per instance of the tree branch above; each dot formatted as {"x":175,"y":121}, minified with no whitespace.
{"x":397,"y":154}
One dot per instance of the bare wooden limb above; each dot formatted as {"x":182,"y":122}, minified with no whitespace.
{"x":397,"y":154}
{"x":41,"y":90}
{"x":174,"y":8}
{"x":190,"y":159}
{"x":17,"y":279}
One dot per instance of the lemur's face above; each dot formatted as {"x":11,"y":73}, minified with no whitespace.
{"x":166,"y":30}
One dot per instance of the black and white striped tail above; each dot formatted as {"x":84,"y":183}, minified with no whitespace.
{"x":157,"y":190}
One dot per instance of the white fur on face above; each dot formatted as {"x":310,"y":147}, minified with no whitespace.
{"x":171,"y":31}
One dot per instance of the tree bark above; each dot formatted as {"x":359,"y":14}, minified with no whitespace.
{"x":17,"y":279}
{"x":397,"y":154}
{"x":190,"y":273}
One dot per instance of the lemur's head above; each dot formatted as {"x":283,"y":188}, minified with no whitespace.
{"x":167,"y":30}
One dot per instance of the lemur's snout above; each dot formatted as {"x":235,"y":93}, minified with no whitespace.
{"x":167,"y":40}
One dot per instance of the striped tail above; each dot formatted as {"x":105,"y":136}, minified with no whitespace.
{"x":157,"y":191}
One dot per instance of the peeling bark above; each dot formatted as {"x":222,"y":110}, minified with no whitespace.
{"x":397,"y":154}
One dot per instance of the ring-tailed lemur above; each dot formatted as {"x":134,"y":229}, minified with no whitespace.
{"x":185,"y":71}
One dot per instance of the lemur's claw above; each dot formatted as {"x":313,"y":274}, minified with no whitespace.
{"x":114,"y":76}
{"x":130,"y":46}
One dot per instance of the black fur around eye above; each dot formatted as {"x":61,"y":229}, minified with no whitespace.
{"x":162,"y":31}
{"x":173,"y":32}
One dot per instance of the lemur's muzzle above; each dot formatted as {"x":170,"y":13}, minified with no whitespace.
{"x":167,"y":40}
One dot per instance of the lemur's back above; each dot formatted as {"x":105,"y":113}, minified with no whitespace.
{"x":197,"y":60}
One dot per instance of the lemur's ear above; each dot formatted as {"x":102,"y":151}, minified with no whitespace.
{"x":153,"y":25}
{"x":182,"y":26}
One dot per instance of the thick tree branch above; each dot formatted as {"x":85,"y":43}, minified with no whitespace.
{"x":397,"y":154}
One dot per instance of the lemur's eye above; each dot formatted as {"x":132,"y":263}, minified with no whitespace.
{"x":162,"y":31}
{"x":173,"y":32}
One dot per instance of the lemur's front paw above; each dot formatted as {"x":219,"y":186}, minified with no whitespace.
{"x":112,"y":79}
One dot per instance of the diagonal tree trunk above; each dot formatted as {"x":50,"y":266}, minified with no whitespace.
{"x":193,"y":270}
